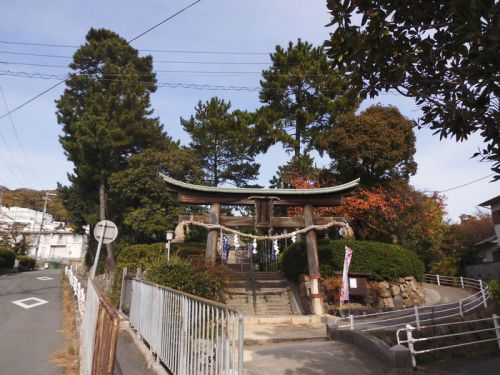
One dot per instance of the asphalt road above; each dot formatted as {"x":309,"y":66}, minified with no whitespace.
{"x":30,"y":329}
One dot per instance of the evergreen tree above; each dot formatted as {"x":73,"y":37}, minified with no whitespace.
{"x":303,"y":167}
{"x":147,"y":208}
{"x":302,"y":96}
{"x":224,"y":142}
{"x":105,"y":112}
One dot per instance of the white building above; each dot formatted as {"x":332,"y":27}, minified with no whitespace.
{"x":56,"y":241}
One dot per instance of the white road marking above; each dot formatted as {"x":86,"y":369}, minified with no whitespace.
{"x":22,"y":302}
{"x":44,"y":278}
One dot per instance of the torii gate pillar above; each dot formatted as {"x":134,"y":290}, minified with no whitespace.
{"x":211,"y":249}
{"x":313,"y":261}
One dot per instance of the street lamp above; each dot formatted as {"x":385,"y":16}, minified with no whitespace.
{"x":169,"y":236}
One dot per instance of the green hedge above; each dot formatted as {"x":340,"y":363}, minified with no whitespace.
{"x":383,"y":261}
{"x":7,"y":258}
{"x":134,"y":256}
{"x":26,"y":263}
{"x":190,"y":276}
{"x":144,"y":255}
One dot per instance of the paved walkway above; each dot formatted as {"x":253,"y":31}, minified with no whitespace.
{"x":438,"y":294}
{"x":30,"y":328}
{"x":272,"y":333}
{"x":310,"y":358}
{"x":129,"y":360}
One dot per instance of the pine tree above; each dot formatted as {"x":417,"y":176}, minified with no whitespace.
{"x":105,"y":112}
{"x":224,"y":142}
{"x":302,"y":96}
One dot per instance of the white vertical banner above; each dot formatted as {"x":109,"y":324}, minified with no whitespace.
{"x":344,"y":289}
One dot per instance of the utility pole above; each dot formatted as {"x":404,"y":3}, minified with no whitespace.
{"x":46,"y":199}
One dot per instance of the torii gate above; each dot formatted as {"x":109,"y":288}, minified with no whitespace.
{"x":263,"y":200}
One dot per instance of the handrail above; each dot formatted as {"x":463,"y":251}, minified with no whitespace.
{"x":189,"y":334}
{"x":410,"y":340}
{"x":416,"y":313}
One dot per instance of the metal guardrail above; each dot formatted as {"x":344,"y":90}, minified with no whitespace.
{"x":98,"y":334}
{"x":190,"y":335}
{"x":418,"y":315}
{"x":78,"y":290}
{"x":410,"y":340}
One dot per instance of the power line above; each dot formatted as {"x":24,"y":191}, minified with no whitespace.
{"x":156,"y":61}
{"x":8,"y":166}
{"x":34,"y":64}
{"x":460,"y":186}
{"x":39,"y":44}
{"x":160,"y":84}
{"x":57,"y":84}
{"x":30,"y":165}
{"x":32,"y":99}
{"x":35,"y":54}
{"x":165,"y":20}
{"x":142,"y":50}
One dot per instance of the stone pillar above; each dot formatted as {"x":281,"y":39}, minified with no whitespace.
{"x":313,"y":262}
{"x":213,"y":235}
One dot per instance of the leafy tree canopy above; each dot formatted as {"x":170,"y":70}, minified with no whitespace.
{"x":377,"y":146}
{"x":224,"y":142}
{"x":442,"y":53}
{"x":147,"y":208}
{"x":302,"y":95}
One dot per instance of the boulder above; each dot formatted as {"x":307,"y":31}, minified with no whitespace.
{"x":395,"y":290}
{"x":384,"y":293}
{"x":409,"y":303}
{"x":414,"y":285}
{"x":398,"y":301}
{"x":383,"y":284}
{"x":388,"y":302}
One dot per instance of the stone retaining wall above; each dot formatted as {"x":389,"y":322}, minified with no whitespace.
{"x":403,"y":293}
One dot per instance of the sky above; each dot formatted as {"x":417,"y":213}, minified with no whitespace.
{"x":239,"y":35}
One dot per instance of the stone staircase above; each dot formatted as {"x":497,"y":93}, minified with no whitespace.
{"x":259,"y":293}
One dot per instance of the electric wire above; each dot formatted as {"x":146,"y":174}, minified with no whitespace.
{"x":30,"y":165}
{"x":36,"y":75}
{"x":142,"y":50}
{"x":459,"y":186}
{"x":165,"y":20}
{"x":63,"y":81}
{"x":156,"y":61}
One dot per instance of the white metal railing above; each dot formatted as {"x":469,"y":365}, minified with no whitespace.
{"x":88,"y":327}
{"x":410,"y":340}
{"x":78,"y":290}
{"x":190,"y":335}
{"x":418,"y":315}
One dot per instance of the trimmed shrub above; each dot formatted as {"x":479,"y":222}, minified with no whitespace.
{"x":8,"y":258}
{"x":188,"y":275}
{"x":381,"y":260}
{"x":144,"y":255}
{"x":26,"y":263}
{"x":189,"y":249}
{"x":134,"y":256}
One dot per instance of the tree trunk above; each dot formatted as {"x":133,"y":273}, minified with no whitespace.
{"x":110,"y":262}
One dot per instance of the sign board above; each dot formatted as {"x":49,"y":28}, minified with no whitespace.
{"x":353,"y":282}
{"x":107,"y":230}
